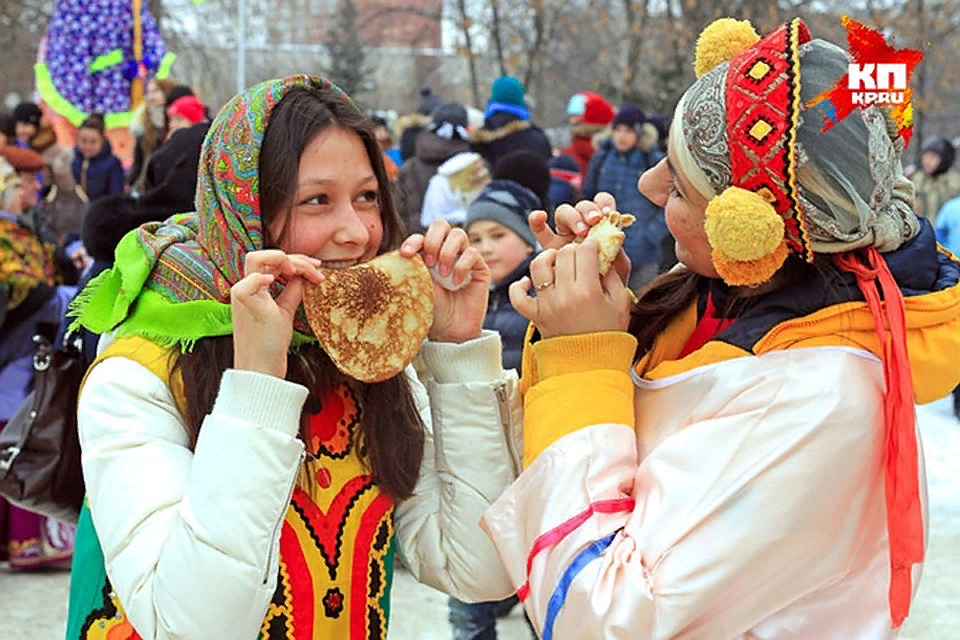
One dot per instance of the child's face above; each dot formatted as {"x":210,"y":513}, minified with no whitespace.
{"x":502,"y":249}
{"x":179,"y":122}
{"x":25,"y":131}
{"x":27,"y":190}
{"x":336,"y":211}
{"x":624,"y":137}
{"x":89,"y":142}
{"x":929,"y":161}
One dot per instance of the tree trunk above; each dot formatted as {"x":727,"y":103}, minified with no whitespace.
{"x":920,"y":106}
{"x":635,"y":29}
{"x":465,"y":24}
{"x":495,"y":31}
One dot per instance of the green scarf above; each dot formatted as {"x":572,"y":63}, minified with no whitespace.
{"x":170,"y":282}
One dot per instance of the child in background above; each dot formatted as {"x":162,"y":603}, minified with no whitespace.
{"x":615,"y":168}
{"x":95,"y":168}
{"x":565,"y":181}
{"x":456,"y":184}
{"x":185,"y":112}
{"x":497,"y":228}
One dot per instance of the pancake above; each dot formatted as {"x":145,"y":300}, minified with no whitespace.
{"x":608,"y":232}
{"x":372,"y":318}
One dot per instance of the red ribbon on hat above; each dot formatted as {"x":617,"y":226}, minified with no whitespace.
{"x":901,"y":458}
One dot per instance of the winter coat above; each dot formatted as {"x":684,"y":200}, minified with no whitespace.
{"x":408,"y":128}
{"x":561,"y":192}
{"x":502,"y":133}
{"x":104,"y":173}
{"x":653,"y":470}
{"x":948,"y":226}
{"x":932,"y":192}
{"x":617,"y":173}
{"x":414,"y":176}
{"x":57,"y":159}
{"x":170,"y":524}
{"x":581,"y":148}
{"x":507,"y":321}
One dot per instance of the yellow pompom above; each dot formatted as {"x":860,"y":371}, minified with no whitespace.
{"x":743,"y":225}
{"x":749,"y":273}
{"x":722,"y":41}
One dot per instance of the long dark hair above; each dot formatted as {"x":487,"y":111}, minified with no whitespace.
{"x":673,"y":292}
{"x":391,"y":437}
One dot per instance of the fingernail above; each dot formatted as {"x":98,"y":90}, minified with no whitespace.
{"x":429,"y":259}
{"x":607,"y":209}
{"x":580,"y":227}
{"x":407,"y":246}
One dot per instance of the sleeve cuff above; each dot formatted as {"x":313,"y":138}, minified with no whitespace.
{"x":260,"y":399}
{"x":588,"y":352}
{"x":477,"y":360}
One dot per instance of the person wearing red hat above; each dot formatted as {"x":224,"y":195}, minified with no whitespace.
{"x":597,"y":116}
{"x":185,"y":112}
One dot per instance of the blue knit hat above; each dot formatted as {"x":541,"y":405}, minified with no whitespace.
{"x":508,"y":203}
{"x":507,"y":90}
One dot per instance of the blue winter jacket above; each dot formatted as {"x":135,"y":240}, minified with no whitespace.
{"x":617,"y":173}
{"x":948,"y":226}
{"x":507,"y":321}
{"x":104,"y":172}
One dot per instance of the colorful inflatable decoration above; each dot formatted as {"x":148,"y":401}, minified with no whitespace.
{"x":96,"y":57}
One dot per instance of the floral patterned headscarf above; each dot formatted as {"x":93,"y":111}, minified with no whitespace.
{"x":179,"y":272}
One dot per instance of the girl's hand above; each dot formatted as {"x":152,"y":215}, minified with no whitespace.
{"x":262,"y":325}
{"x":572,"y":298}
{"x":575,"y":222}
{"x":457,"y":315}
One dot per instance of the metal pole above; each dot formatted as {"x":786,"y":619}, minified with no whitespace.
{"x":241,"y":46}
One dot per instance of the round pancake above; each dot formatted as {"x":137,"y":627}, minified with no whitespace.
{"x":372,"y":318}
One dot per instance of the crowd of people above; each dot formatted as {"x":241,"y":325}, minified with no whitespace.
{"x":714,"y":439}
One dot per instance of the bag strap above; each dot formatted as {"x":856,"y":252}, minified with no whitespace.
{"x":156,"y":359}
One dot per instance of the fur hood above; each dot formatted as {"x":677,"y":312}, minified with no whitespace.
{"x":647,"y":137}
{"x":587,"y":130}
{"x":486,"y":136}
{"x":410,"y":121}
{"x":44,"y":138}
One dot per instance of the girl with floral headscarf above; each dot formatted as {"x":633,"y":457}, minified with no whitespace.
{"x":735,"y":454}
{"x":239,"y":485}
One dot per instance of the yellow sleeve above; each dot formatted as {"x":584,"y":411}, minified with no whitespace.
{"x":581,"y":381}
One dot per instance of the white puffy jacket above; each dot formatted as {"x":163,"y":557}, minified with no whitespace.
{"x":191,"y":538}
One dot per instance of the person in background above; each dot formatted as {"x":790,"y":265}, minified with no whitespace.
{"x":8,"y":129}
{"x":27,"y":116}
{"x":528,"y":169}
{"x":594,"y":119}
{"x":937,"y":181}
{"x":566,"y":181}
{"x":497,"y":228}
{"x":615,"y":169}
{"x":948,"y":235}
{"x":506,"y":126}
{"x":185,"y":112}
{"x":95,"y":168}
{"x":445,"y":137}
{"x":387,"y":141}
{"x":410,"y":125}
{"x":456,"y":184}
{"x":31,"y":302}
{"x":149,"y":128}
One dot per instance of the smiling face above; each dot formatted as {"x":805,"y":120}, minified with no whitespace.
{"x":684,"y":210}
{"x":89,"y":142}
{"x":336,"y":209}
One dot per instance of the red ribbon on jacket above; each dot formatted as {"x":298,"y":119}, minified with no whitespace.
{"x":901,"y":460}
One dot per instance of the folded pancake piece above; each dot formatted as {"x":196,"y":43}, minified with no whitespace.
{"x":608,"y":232}
{"x":372,"y":318}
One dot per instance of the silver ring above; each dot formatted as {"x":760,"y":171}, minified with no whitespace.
{"x":545,"y":285}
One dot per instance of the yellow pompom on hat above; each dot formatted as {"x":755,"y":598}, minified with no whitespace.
{"x":722,"y":41}
{"x":747,"y":237}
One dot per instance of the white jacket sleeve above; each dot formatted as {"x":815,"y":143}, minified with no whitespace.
{"x":473,"y":417}
{"x":190,"y":539}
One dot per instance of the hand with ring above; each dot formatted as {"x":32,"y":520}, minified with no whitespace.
{"x":574,"y":222}
{"x":571,"y":297}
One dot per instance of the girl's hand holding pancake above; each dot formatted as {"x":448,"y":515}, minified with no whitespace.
{"x":571,"y":297}
{"x":262,"y":324}
{"x":458,"y":314}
